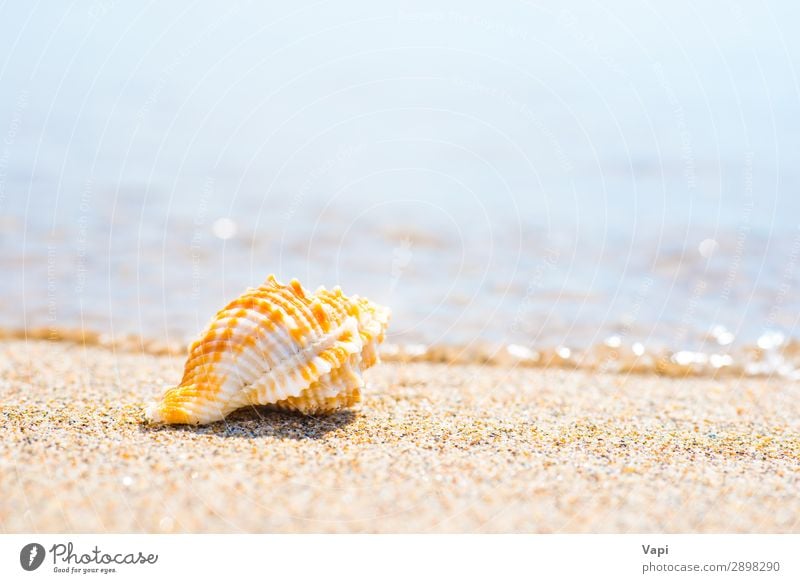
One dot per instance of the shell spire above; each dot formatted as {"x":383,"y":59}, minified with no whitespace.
{"x":277,"y":345}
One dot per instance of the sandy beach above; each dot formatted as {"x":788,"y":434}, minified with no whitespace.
{"x":433,"y":448}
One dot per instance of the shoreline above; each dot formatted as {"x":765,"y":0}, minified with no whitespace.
{"x":432,"y":448}
{"x":773,"y":357}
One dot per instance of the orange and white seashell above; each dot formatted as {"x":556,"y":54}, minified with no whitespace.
{"x":277,"y":345}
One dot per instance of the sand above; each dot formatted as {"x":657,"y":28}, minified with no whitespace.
{"x":433,"y":448}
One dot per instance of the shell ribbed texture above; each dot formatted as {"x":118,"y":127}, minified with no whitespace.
{"x":277,"y":345}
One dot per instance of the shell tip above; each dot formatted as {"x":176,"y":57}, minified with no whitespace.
{"x":152,"y":413}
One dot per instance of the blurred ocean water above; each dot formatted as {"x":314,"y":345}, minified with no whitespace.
{"x":539,"y":174}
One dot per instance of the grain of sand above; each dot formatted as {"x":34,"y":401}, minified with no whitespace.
{"x":432,"y":448}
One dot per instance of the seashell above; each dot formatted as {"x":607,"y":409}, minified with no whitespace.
{"x":277,"y":345}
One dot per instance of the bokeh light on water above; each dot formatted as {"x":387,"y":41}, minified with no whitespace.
{"x":544,"y":177}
